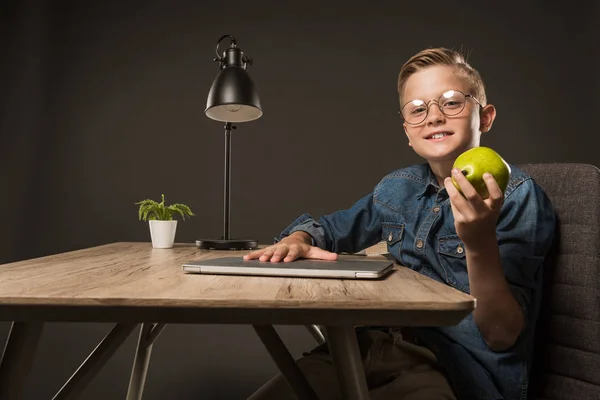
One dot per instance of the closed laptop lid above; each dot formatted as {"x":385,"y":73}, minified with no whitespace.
{"x":352,"y":269}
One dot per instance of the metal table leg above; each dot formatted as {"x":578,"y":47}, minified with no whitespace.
{"x":95,"y":361}
{"x":347,"y":361}
{"x":148,"y":335}
{"x":17,"y":358}
{"x":285,"y":362}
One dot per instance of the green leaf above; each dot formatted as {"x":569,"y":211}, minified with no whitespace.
{"x":146,"y":206}
{"x":146,"y":213}
{"x":182,"y":209}
{"x":151,"y":210}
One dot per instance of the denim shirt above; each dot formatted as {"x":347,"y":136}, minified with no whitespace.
{"x":409,"y":211}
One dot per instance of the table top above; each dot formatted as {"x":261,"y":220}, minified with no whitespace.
{"x":132,"y":282}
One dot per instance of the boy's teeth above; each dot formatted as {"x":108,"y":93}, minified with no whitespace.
{"x":438,"y":135}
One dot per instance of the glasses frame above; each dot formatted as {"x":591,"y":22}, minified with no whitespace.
{"x":467,"y":96}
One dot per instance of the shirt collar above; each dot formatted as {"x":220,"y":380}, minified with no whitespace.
{"x":430,"y":182}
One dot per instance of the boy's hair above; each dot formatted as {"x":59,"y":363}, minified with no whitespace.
{"x":443,"y":56}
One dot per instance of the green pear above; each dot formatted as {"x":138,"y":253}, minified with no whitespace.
{"x":475,"y":162}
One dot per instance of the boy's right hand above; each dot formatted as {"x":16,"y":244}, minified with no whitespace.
{"x":297,"y":245}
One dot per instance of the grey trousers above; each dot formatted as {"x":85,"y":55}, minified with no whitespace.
{"x":395,"y":370}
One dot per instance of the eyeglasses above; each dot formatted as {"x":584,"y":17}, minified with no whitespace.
{"x":450,"y":103}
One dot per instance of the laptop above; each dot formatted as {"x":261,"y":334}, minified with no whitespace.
{"x":306,"y":268}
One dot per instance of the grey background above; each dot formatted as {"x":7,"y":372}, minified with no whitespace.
{"x":102,"y":105}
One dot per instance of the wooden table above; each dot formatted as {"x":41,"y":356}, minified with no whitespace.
{"x":132,"y":283}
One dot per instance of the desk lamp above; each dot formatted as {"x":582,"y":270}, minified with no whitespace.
{"x":232,"y":98}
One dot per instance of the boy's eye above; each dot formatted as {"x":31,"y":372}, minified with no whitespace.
{"x":419,"y":110}
{"x":452,"y":104}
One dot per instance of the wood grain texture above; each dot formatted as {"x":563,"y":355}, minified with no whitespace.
{"x":134,"y":281}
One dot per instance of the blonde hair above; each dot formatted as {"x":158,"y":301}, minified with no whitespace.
{"x":443,"y":56}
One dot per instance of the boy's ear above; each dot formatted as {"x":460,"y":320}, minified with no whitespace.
{"x":406,"y":133}
{"x":488,"y":115}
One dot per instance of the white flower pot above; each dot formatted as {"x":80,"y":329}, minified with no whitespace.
{"x":162,"y":233}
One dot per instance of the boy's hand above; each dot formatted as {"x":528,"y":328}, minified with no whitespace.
{"x":289,"y":249}
{"x":474,"y":218}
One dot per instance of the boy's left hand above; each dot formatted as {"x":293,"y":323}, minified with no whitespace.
{"x":474,"y":218}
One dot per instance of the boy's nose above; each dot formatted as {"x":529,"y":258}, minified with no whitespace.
{"x":435,"y":114}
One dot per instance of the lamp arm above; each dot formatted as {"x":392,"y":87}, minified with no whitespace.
{"x":232,"y":45}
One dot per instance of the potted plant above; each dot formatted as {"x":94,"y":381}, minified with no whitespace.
{"x":160,"y":217}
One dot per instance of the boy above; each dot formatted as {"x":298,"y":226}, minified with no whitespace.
{"x":492,"y":248}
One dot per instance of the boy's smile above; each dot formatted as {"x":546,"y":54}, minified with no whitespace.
{"x":438,"y":136}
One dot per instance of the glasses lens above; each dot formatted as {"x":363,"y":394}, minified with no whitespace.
{"x":452,"y":102}
{"x":414,"y":112}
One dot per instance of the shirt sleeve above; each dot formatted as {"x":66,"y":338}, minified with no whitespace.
{"x":525,"y":233}
{"x":349,"y":230}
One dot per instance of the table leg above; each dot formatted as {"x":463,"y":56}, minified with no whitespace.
{"x":148,"y":335}
{"x":347,"y":361}
{"x":17,"y":358}
{"x":95,"y":361}
{"x":285,"y":362}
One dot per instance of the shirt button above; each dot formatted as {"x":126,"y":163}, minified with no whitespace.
{"x":390,"y":237}
{"x":419,"y":243}
{"x":460,"y":250}
{"x":436,"y":209}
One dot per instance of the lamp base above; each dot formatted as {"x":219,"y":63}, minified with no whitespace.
{"x":231,"y":244}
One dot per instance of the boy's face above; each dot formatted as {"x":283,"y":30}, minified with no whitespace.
{"x":462,"y":131}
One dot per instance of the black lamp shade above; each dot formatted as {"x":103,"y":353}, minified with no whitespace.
{"x":233,"y":97}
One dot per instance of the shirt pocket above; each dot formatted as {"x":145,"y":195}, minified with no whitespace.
{"x":451,"y":255}
{"x":392,"y":233}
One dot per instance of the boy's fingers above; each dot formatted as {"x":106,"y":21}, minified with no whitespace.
{"x":466,"y":187}
{"x":455,"y":212}
{"x":461,"y":180}
{"x":450,"y":187}
{"x":267,"y":254}
{"x":292,"y":255}
{"x":495,"y":193}
{"x":457,"y":201}
{"x":279,"y":253}
{"x":287,"y":254}
{"x":316,"y":252}
{"x":254,"y":254}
